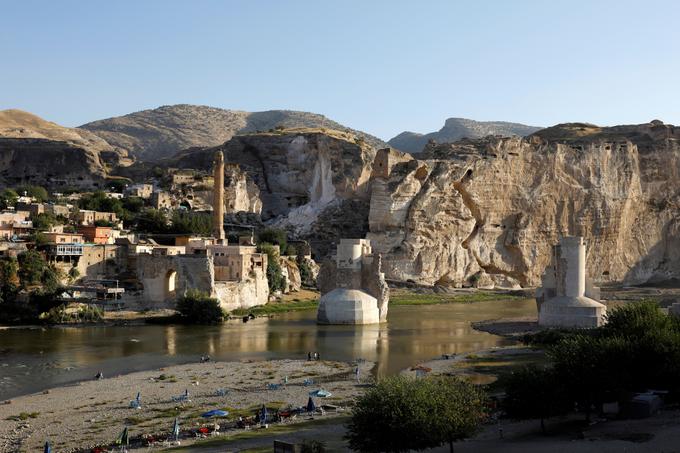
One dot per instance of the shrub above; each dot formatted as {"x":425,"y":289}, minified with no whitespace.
{"x":275,"y":278}
{"x":401,"y":414}
{"x":274,"y":236}
{"x":535,"y":392}
{"x":197,"y":307}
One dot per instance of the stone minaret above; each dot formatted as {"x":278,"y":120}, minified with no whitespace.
{"x":218,"y":198}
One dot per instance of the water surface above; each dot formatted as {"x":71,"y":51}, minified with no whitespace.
{"x":35,"y":359}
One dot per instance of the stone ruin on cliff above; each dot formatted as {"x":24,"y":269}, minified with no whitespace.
{"x":567,"y":298}
{"x":352,"y":285}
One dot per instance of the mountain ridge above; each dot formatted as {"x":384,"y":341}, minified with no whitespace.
{"x":162,"y":132}
{"x":457,"y":128}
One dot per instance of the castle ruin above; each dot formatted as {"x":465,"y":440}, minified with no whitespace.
{"x":352,"y":285}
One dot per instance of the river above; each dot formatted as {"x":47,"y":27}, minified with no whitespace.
{"x":34,"y":359}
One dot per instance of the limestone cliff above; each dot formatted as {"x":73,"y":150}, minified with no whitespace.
{"x":487,"y":211}
{"x":160,"y":133}
{"x":301,"y":175}
{"x":33,"y":150}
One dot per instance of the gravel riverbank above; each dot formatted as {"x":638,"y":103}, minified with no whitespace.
{"x":95,"y":412}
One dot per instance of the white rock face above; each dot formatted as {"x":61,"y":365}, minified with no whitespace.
{"x":348,"y":306}
{"x":494,"y":207}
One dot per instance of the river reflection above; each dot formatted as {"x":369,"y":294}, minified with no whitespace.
{"x":35,"y":359}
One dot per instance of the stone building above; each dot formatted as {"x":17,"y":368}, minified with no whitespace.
{"x":86,"y":217}
{"x":234,"y":274}
{"x":140,"y":190}
{"x":567,"y":298}
{"x":352,"y":285}
{"x":161,"y":200}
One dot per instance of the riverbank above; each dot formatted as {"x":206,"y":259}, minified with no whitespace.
{"x":94,"y":412}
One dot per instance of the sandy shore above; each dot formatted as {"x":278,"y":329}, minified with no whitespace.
{"x":95,"y":412}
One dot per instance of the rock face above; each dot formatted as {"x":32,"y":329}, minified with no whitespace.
{"x":457,"y":128}
{"x":295,"y":177}
{"x":36,"y":151}
{"x":162,"y":132}
{"x":490,"y":209}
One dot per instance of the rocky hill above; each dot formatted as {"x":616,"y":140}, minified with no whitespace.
{"x":162,"y":132}
{"x":313,"y":182}
{"x":487,"y":211}
{"x":456,"y":129}
{"x":38,"y":151}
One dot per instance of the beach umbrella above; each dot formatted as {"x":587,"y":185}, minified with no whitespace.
{"x":263,"y":414}
{"x":186,"y":393}
{"x":47,"y":449}
{"x":123,"y":439}
{"x":311,"y":407}
{"x":214,"y":413}
{"x":175,"y":429}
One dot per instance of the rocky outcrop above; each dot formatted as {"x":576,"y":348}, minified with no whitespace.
{"x":49,"y":163}
{"x":164,"y":131}
{"x":457,"y":128}
{"x":301,"y":175}
{"x":490,"y":209}
{"x":36,"y":151}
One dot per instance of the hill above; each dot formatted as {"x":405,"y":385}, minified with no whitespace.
{"x":162,"y":132}
{"x":457,"y":128}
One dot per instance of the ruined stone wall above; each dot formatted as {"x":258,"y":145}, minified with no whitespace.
{"x":197,"y":272}
{"x":250,"y":292}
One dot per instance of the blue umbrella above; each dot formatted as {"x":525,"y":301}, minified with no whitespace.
{"x":263,"y":414}
{"x":47,"y":449}
{"x":175,"y":429}
{"x":214,"y":413}
{"x":311,"y":407}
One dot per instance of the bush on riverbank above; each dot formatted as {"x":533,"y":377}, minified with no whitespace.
{"x":402,"y":414}
{"x":63,"y":315}
{"x":196,"y":307}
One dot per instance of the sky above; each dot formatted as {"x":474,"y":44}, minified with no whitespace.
{"x":379,"y":66}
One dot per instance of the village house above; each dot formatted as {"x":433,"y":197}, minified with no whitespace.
{"x":161,"y":200}
{"x":14,"y":223}
{"x":97,"y":234}
{"x":140,"y":190}
{"x":86,"y":217}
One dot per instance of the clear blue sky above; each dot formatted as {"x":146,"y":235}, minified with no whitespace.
{"x":379,"y":66}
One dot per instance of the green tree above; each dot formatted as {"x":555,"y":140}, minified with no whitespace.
{"x":8,"y":197}
{"x":37,"y":192}
{"x":9,"y":278}
{"x":35,"y":270}
{"x":275,"y":278}
{"x":401,"y":414}
{"x":133,"y":204}
{"x":535,"y":392}
{"x":98,"y":201}
{"x":197,"y":307}
{"x":274,"y":236}
{"x":44,"y":221}
{"x":191,"y":223}
{"x":152,"y":221}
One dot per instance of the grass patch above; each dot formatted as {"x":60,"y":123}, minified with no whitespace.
{"x":23,"y":416}
{"x":277,"y":307}
{"x":409,"y":298}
